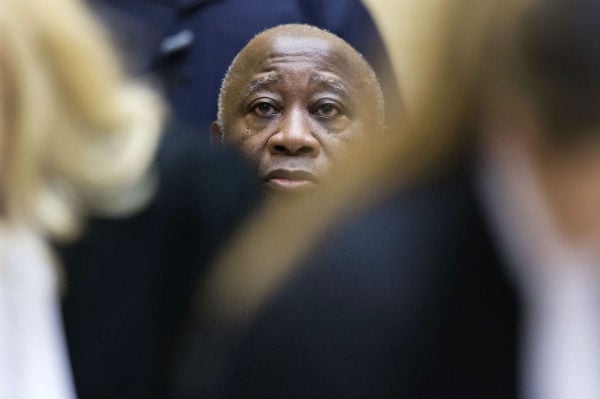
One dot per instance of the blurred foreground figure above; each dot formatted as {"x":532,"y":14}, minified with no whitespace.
{"x":293,"y":101}
{"x":189,"y":44}
{"x":462,"y":258}
{"x":80,"y":139}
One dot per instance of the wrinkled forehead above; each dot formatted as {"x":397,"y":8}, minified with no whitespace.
{"x":320,"y":53}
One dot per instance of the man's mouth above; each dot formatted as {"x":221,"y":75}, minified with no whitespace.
{"x":287,"y":180}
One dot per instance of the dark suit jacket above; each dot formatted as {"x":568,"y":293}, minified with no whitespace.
{"x":129,"y":279}
{"x":190,"y":43}
{"x":408,"y":299}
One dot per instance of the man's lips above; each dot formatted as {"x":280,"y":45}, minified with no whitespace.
{"x":286,"y":180}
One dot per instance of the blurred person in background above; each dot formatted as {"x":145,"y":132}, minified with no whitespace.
{"x":461,"y":257}
{"x":189,"y":44}
{"x":293,"y":101}
{"x":97,"y":212}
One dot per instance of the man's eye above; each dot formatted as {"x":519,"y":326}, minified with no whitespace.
{"x":264,"y":109}
{"x":326,"y":110}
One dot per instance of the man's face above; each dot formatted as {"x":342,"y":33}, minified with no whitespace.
{"x":296,"y":105}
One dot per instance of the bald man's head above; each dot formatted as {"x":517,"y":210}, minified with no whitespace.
{"x":258,"y":47}
{"x":293,"y":99}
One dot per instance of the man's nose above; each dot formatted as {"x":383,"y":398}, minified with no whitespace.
{"x":295,"y":137}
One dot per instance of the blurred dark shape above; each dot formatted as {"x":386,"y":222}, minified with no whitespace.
{"x":130,"y":279}
{"x":558,"y":42}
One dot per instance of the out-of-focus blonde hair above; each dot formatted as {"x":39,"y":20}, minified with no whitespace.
{"x":76,"y":135}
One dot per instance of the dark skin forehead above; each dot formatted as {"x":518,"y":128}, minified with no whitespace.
{"x":319,"y":46}
{"x":319,"y":49}
{"x":338,"y":65}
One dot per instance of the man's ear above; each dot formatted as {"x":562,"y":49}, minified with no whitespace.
{"x":216,"y":133}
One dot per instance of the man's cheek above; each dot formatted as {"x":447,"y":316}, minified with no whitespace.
{"x":250,"y":148}
{"x":350,"y":138}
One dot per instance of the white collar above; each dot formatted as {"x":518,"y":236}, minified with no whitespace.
{"x":33,"y":356}
{"x":558,"y":283}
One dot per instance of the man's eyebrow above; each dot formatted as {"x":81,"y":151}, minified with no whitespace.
{"x":260,"y":83}
{"x":330,"y":83}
